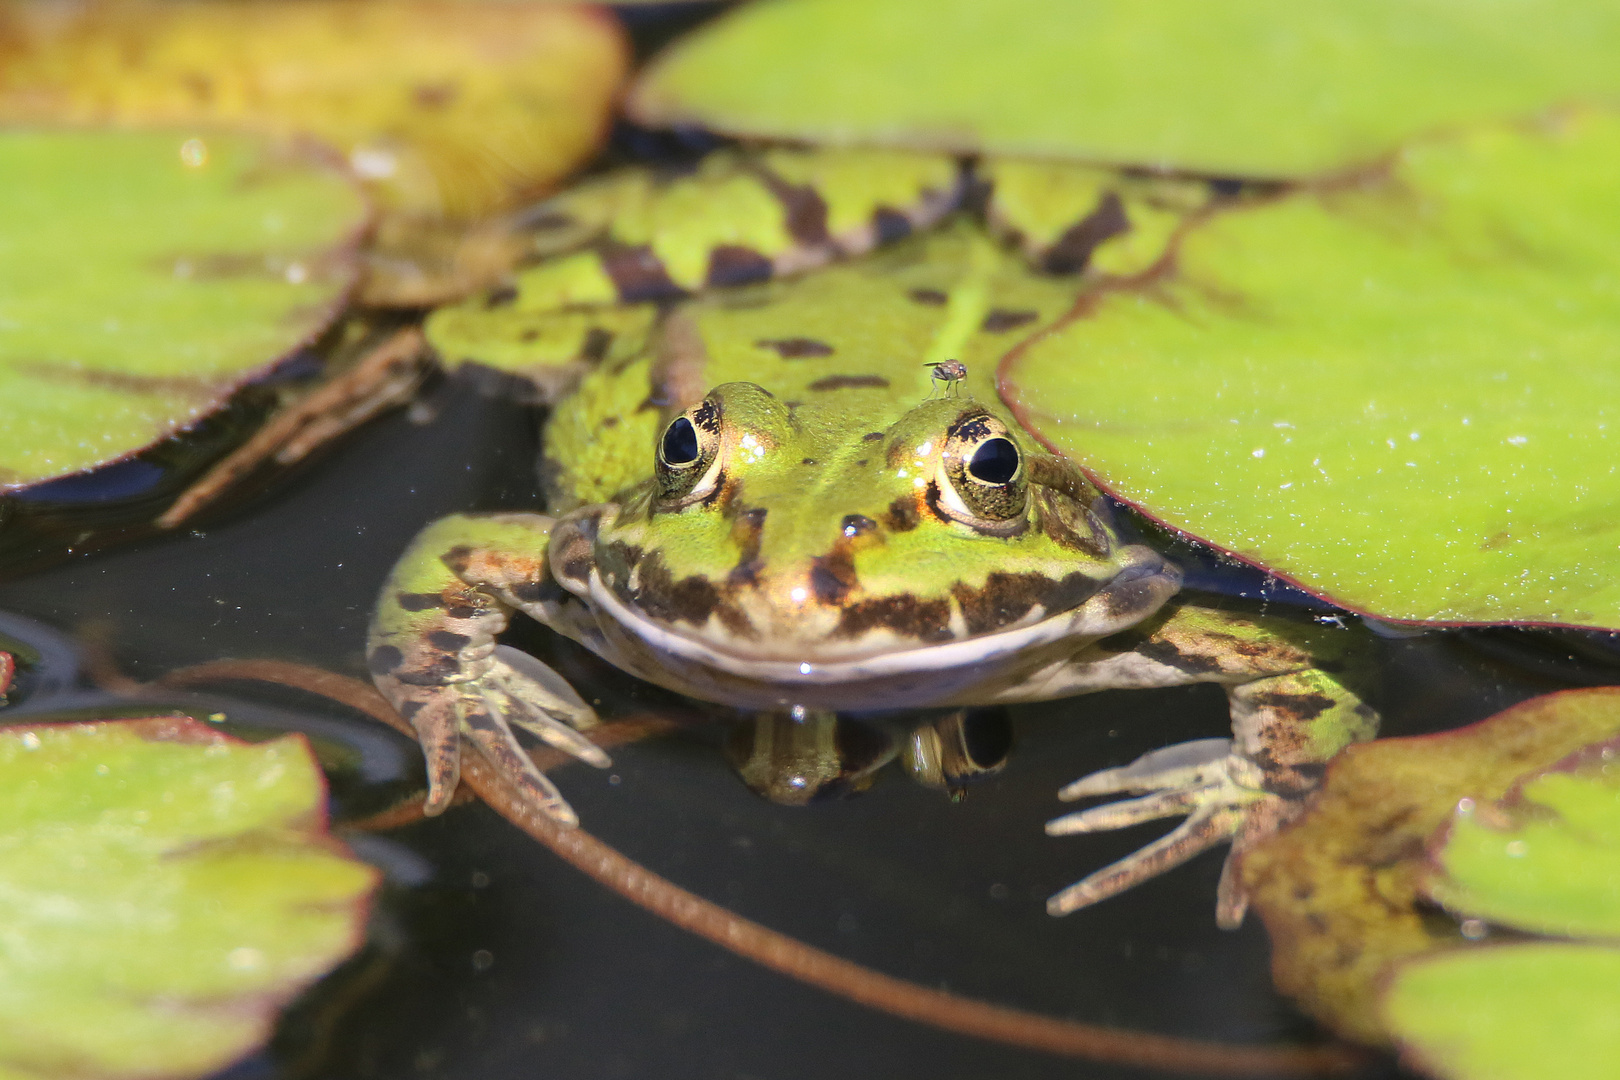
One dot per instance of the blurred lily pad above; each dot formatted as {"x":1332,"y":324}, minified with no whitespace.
{"x":1547,"y":857}
{"x":1513,"y":1012}
{"x":1255,"y":88}
{"x":1344,"y":892}
{"x":143,"y":276}
{"x":445,"y":106}
{"x":1399,"y":391}
{"x":164,"y":889}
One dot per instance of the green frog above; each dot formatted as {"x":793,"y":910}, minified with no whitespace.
{"x":799,"y":495}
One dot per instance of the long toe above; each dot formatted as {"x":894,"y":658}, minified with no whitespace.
{"x":497,"y":743}
{"x":1188,"y":764}
{"x":1127,"y":812}
{"x":1203,"y":830}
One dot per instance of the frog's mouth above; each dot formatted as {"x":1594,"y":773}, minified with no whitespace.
{"x":1127,"y":598}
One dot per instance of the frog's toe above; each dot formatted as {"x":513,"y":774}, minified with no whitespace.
{"x":494,"y":739}
{"x":1184,"y":765}
{"x":438,"y":729}
{"x":1203,"y":779}
{"x":527,"y":693}
{"x":1204,"y":828}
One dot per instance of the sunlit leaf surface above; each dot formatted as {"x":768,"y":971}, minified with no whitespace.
{"x":1401,"y":392}
{"x":142,"y":276}
{"x":1514,"y":1012}
{"x":163,"y":890}
{"x":444,"y":106}
{"x":1547,"y":859}
{"x":1342,"y":892}
{"x":1263,"y":88}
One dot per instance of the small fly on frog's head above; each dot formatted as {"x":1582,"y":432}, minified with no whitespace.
{"x":948,"y":373}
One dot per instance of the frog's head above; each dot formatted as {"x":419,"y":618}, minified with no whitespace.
{"x":778,"y":531}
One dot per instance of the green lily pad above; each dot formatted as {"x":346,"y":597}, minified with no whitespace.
{"x":1517,"y":1012}
{"x":163,"y":889}
{"x":143,"y":276}
{"x":1397,"y":392}
{"x":1258,"y":88}
{"x":1547,"y":858}
{"x":1343,"y":892}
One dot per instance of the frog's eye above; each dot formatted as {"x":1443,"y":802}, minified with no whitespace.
{"x":994,"y":462}
{"x":680,"y":445}
{"x":686,"y":462}
{"x":985,"y":481}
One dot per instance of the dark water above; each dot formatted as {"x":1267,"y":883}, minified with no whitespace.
{"x":490,"y":958}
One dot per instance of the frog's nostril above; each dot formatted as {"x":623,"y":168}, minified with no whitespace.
{"x":856,"y":524}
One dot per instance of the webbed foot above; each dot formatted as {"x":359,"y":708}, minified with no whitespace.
{"x":1217,"y":790}
{"x":507,"y":689}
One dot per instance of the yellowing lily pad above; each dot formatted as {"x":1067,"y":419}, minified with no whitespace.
{"x":163,"y":890}
{"x":1343,"y":891}
{"x":1399,"y":391}
{"x":1518,"y":1012}
{"x":1547,"y":858}
{"x":444,"y":106}
{"x":143,"y":276}
{"x":1259,"y":88}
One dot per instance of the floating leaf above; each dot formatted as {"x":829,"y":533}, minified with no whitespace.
{"x":1515,"y":1012}
{"x":144,"y":276}
{"x":164,"y":889}
{"x":1259,"y":88}
{"x":1398,"y":392}
{"x":1342,"y":891}
{"x":1547,"y":858}
{"x":444,"y":106}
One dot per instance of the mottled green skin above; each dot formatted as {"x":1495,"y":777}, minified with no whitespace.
{"x":830,"y":549}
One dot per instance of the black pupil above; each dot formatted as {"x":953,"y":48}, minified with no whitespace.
{"x":994,"y":462}
{"x":680,"y":442}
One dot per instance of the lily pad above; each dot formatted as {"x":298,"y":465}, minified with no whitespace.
{"x":1517,"y":1012}
{"x":1343,"y":892}
{"x":1547,"y":858}
{"x":1397,"y":392}
{"x":1257,"y":88}
{"x":143,"y":276}
{"x":164,"y":889}
{"x":443,"y":106}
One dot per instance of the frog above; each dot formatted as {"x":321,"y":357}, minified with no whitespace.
{"x":781,"y":480}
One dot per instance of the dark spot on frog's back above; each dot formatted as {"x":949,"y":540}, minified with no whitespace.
{"x":500,"y":296}
{"x":928,"y":297}
{"x":732,"y":264}
{"x":795,"y":348}
{"x":1006,"y":598}
{"x":925,"y":620}
{"x":803,"y":209}
{"x":872,"y":436}
{"x":889,"y":225}
{"x":1072,"y":251}
{"x":637,"y":273}
{"x":419,"y":601}
{"x":850,"y":382}
{"x":1000,"y":320}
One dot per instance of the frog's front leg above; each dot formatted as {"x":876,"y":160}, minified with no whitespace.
{"x":432,"y":653}
{"x":1291,"y":711}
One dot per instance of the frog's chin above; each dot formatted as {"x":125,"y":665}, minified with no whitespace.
{"x":701,"y":665}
